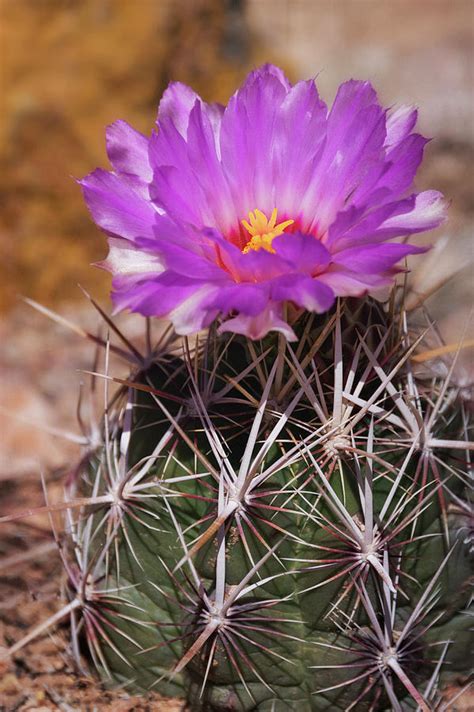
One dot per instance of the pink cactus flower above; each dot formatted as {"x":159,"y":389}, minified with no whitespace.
{"x":231,"y":212}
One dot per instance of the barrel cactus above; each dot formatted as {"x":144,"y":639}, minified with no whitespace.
{"x":269,"y":526}
{"x":273,"y":514}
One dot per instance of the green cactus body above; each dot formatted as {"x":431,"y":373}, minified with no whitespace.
{"x":279,"y":527}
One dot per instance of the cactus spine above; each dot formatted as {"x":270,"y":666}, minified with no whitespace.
{"x":270,"y":526}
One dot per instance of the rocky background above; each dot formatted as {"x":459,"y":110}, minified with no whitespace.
{"x":68,"y":68}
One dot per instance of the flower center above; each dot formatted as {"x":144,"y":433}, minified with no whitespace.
{"x":263,"y":231}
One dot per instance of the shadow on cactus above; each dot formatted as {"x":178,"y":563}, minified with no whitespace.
{"x":273,"y":512}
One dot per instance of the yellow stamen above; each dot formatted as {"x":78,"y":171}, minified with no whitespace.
{"x":263,"y":231}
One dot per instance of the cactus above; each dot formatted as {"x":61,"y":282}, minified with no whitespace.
{"x":273,"y":513}
{"x":268,"y":526}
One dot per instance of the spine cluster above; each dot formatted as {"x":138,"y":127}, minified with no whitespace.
{"x":267,"y":526}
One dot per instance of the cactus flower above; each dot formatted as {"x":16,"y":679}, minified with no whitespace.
{"x":234,"y":211}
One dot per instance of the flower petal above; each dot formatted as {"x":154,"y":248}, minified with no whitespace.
{"x":346,"y":283}
{"x":376,"y":258}
{"x":246,"y":141}
{"x":304,"y":253}
{"x":163,"y":295}
{"x":127,"y":150}
{"x":429,"y":211}
{"x":248,"y":299}
{"x":299,"y":137}
{"x":124,"y":258}
{"x":176,"y":104}
{"x":355,"y":137}
{"x":257,"y":327}
{"x":399,"y":124}
{"x":308,"y":293}
{"x":417,"y":213}
{"x":116,"y":207}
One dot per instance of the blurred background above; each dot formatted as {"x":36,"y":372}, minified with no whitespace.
{"x":69,"y":68}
